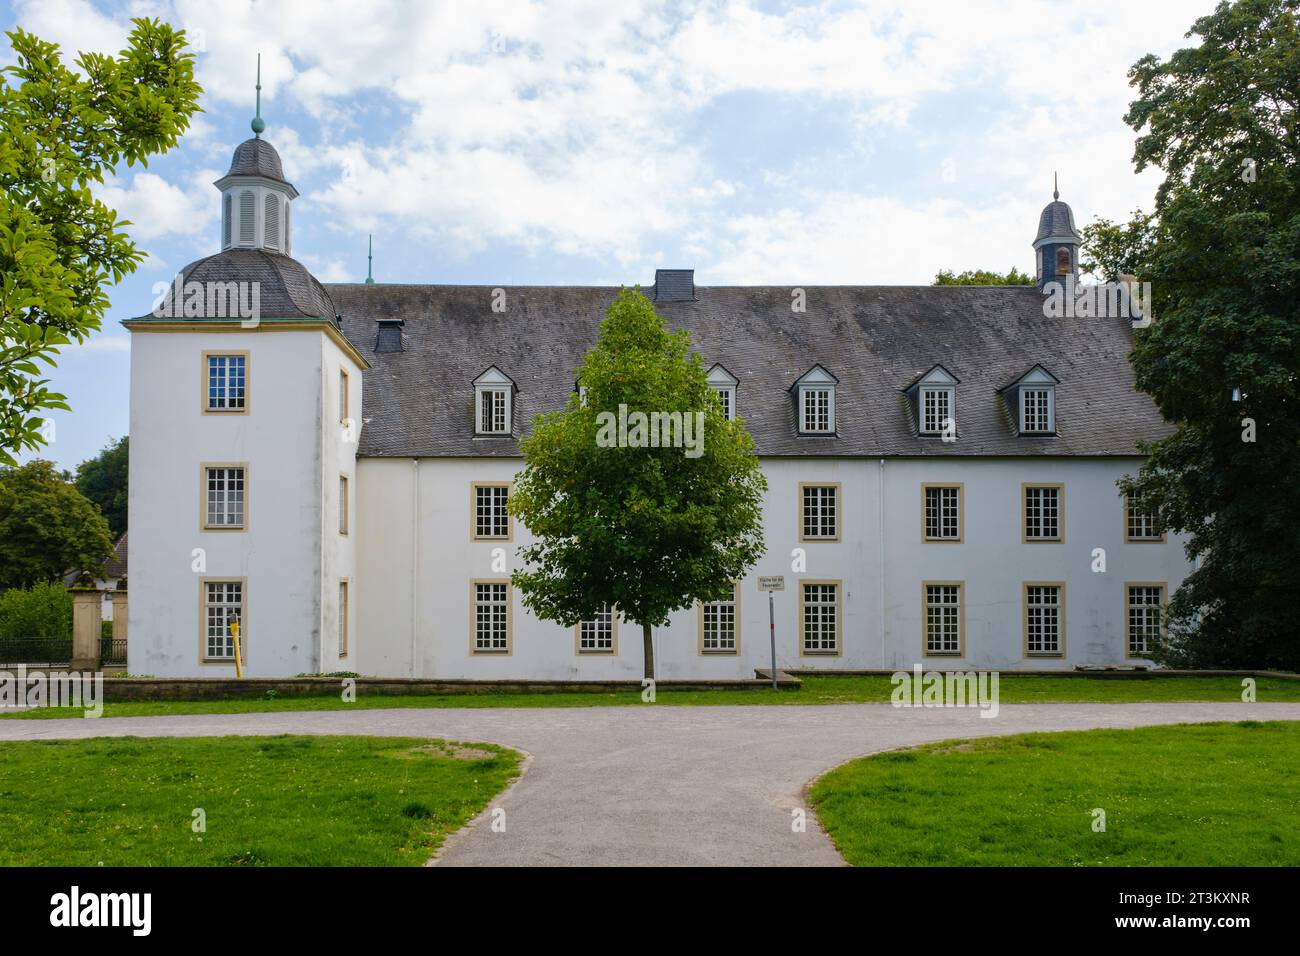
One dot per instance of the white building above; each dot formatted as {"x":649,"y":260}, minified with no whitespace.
{"x":941,"y":461}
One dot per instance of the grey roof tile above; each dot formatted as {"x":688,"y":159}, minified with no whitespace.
{"x":874,"y":339}
{"x":286,"y":290}
{"x":257,"y":157}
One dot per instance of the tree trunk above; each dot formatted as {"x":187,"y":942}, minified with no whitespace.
{"x":647,"y":642}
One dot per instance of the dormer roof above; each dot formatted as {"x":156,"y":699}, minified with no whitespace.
{"x":935,"y":375}
{"x":718,"y":375}
{"x":1037,"y":375}
{"x":493,"y":376}
{"x":817,"y":375}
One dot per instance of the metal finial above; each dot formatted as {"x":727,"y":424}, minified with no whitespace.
{"x":1056,"y":189}
{"x":370,"y":261}
{"x":258,"y":123}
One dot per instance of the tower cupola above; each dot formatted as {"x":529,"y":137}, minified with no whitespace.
{"x":1057,"y":242}
{"x":255,"y":196}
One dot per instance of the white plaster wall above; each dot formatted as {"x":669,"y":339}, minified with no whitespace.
{"x":994,"y":563}
{"x":279,"y":554}
{"x":338,"y":439}
{"x":433,"y":558}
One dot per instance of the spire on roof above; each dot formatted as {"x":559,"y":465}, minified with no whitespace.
{"x":258,"y":123}
{"x":1056,"y":189}
{"x":370,"y":261}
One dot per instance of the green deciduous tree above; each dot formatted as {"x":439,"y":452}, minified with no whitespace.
{"x":103,"y":479}
{"x":1223,"y":256}
{"x":47,"y":527}
{"x":982,"y":277}
{"x":59,"y":246}
{"x":1112,"y":249}
{"x":646,"y":530}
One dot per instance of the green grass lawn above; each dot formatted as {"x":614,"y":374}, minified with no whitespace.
{"x":1188,"y":795}
{"x":820,"y":689}
{"x":269,"y":801}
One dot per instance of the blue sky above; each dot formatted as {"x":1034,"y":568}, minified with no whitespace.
{"x":591,"y":142}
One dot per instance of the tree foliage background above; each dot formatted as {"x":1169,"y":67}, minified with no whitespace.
{"x":103,"y":479}
{"x":1222,"y":251}
{"x":61,"y":131}
{"x":47,"y":527}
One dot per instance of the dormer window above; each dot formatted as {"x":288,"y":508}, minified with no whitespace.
{"x":724,"y":383}
{"x":1031,"y":399}
{"x":815,"y":401}
{"x":1035,"y":410}
{"x":493,"y":401}
{"x":936,"y":410}
{"x":933,"y":400}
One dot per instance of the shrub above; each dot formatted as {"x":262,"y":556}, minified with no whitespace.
{"x":41,"y":611}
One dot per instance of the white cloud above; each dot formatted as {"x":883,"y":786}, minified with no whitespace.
{"x":158,"y":209}
{"x":563,"y":128}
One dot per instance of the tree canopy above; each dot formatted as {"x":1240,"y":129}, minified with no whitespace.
{"x":61,"y":131}
{"x":647,"y":530}
{"x":103,"y":479}
{"x":47,"y":527}
{"x":1222,"y":358}
{"x":982,"y":277}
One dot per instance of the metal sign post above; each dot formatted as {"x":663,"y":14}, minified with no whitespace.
{"x":771,"y":584}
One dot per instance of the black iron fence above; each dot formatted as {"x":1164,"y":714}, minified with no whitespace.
{"x":37,"y":651}
{"x":55,"y":652}
{"x":112,"y":653}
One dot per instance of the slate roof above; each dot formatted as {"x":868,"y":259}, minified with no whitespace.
{"x":874,"y":339}
{"x":286,"y":289}
{"x":116,"y":566}
{"x":1057,"y":220}
{"x":257,"y":157}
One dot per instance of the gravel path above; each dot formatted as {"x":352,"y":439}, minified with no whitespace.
{"x":660,"y":785}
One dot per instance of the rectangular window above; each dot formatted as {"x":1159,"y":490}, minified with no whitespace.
{"x":491,"y":617}
{"x":726,"y":396}
{"x":1035,"y":410}
{"x":942,"y":512}
{"x":343,"y":395}
{"x":936,"y":410}
{"x":223,"y":605}
{"x":224,"y":487}
{"x":1044,"y":619}
{"x":819,"y":617}
{"x":343,"y":619}
{"x":494,"y":411}
{"x":816,"y":412}
{"x":1140,"y":523}
{"x":1042,"y":512}
{"x":343,"y":504}
{"x":491,"y":516}
{"x":227,"y":383}
{"x":819,"y":513}
{"x":718,"y":626}
{"x":597,"y":635}
{"x":1145,"y":603}
{"x":943,"y":619}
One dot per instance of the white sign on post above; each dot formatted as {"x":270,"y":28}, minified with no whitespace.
{"x":773,"y":583}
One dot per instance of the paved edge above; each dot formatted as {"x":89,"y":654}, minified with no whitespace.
{"x":485,"y":814}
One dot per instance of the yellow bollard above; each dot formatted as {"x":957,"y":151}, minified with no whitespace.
{"x":234,"y":632}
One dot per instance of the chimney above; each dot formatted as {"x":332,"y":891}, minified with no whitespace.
{"x":674,"y":285}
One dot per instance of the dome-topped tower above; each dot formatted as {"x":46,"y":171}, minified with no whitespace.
{"x":1057,"y":242}
{"x":255,"y":196}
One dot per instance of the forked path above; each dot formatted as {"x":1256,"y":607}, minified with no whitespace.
{"x":654,"y":784}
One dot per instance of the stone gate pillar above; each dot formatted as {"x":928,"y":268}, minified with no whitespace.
{"x":86,"y":617}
